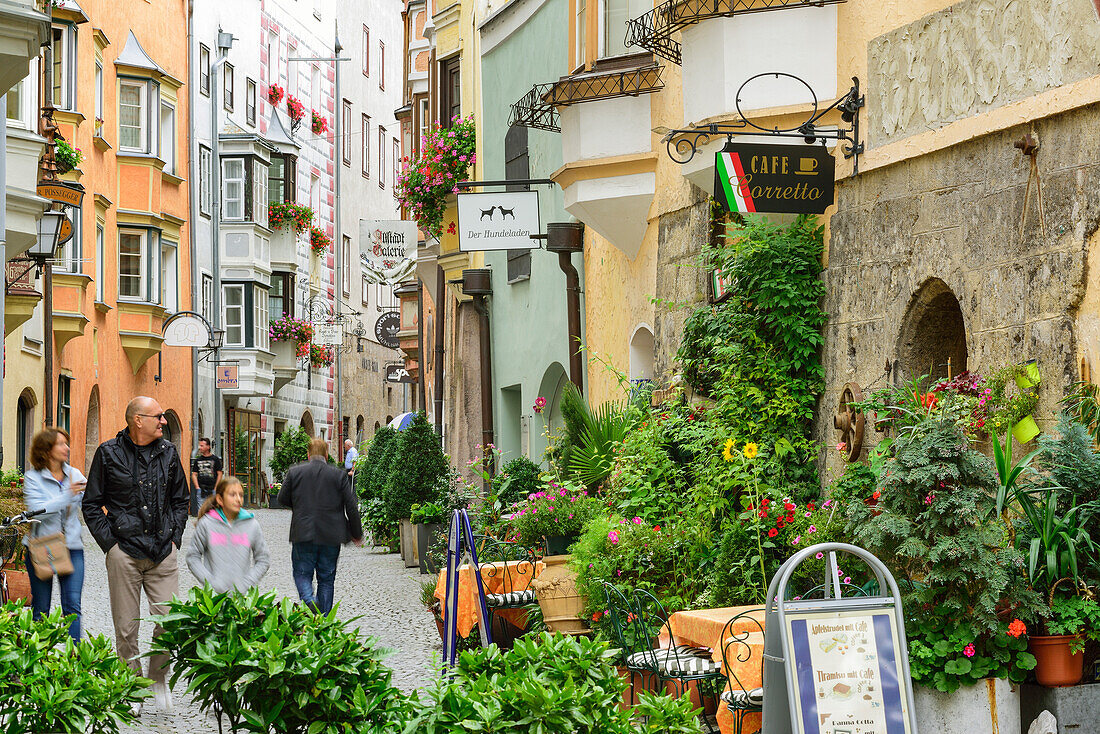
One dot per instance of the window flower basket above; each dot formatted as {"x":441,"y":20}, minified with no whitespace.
{"x":426,"y":182}
{"x":319,"y":242}
{"x":319,"y":124}
{"x":320,"y":356}
{"x":275,"y":94}
{"x":289,"y":328}
{"x":296,"y":110}
{"x":66,"y":156}
{"x":283,"y":214}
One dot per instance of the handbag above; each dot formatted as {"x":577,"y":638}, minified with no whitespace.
{"x":49,"y":554}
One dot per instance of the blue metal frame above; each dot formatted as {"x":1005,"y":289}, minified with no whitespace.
{"x":461,"y":549}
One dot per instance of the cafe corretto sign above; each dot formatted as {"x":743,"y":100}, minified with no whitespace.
{"x":794,"y":179}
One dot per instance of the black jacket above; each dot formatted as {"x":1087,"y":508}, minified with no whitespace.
{"x":325,"y":509}
{"x":142,"y":530}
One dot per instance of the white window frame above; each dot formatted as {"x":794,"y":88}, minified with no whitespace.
{"x":228,"y":89}
{"x":366,"y":51}
{"x":204,"y":70}
{"x":425,"y":123}
{"x":143,"y":264}
{"x":382,"y":65}
{"x":387,"y":301}
{"x":69,"y":255}
{"x":315,"y":87}
{"x":259,"y":193}
{"x":169,"y":275}
{"x":27,"y":103}
{"x":382,"y":139}
{"x":580,"y":40}
{"x":206,"y":180}
{"x":315,"y":198}
{"x":168,"y":136}
{"x":250,"y":102}
{"x":607,"y":34}
{"x":99,"y":91}
{"x":365,"y":122}
{"x":365,"y":286}
{"x":346,"y":276}
{"x":238,"y":309}
{"x":206,"y":294}
{"x":260,"y":319}
{"x":143,"y":116}
{"x":345,"y":130}
{"x":68,"y":65}
{"x":396,"y":163}
{"x":100,"y":257}
{"x":233,"y":191}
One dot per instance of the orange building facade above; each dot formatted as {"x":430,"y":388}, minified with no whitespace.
{"x":119,"y":86}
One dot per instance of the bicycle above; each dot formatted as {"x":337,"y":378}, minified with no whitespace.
{"x":11,"y":542}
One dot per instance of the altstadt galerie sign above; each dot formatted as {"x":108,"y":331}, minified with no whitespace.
{"x":794,"y":179}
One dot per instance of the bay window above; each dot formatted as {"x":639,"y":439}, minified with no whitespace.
{"x":281,"y":295}
{"x":259,"y":192}
{"x":246,"y":315}
{"x":234,"y":315}
{"x":245,"y":190}
{"x":138,"y":115}
{"x":280,"y":178}
{"x":133,"y":264}
{"x":233,"y":189}
{"x":169,"y":276}
{"x":260,"y":319}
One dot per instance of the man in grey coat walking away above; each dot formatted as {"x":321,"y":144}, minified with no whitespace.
{"x":325,"y":516}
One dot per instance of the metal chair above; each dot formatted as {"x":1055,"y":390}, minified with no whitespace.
{"x":736,"y":647}
{"x":492,"y":556}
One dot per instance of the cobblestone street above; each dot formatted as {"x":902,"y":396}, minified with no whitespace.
{"x":370,"y":584}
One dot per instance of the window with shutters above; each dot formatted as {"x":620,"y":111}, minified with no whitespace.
{"x":517,"y":165}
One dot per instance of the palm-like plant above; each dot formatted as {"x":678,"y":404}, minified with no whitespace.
{"x":592,"y":460}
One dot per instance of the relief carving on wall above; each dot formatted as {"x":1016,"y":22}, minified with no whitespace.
{"x":975,"y":56}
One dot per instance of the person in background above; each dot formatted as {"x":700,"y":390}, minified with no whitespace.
{"x":56,"y":487}
{"x":324,"y":516}
{"x":135,"y":507}
{"x":206,"y":472}
{"x":228,"y":549}
{"x":350,"y":455}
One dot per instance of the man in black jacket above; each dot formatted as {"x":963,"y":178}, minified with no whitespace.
{"x":325,"y":515}
{"x":135,"y":506}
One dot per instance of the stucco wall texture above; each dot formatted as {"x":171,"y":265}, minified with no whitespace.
{"x":956,"y":216}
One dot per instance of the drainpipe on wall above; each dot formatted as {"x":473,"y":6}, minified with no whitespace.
{"x":196,"y":296}
{"x":225,"y":42}
{"x":422,"y":380}
{"x":565,"y":238}
{"x":440,"y":312}
{"x":477,"y":282}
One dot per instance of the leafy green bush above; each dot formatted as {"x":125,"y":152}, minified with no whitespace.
{"x":546,"y":684}
{"x":373,"y":465}
{"x":417,"y":471}
{"x":49,"y":683}
{"x":291,"y":447}
{"x":936,"y":527}
{"x":946,"y":653}
{"x":1072,"y":461}
{"x":646,"y":481}
{"x":429,"y":512}
{"x":277,"y":666}
{"x":517,"y":479}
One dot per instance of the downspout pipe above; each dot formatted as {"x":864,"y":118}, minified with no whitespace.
{"x":477,"y":282}
{"x":421,"y":377}
{"x":565,"y":238}
{"x":440,"y":321}
{"x":192,"y":167}
{"x":225,"y":42}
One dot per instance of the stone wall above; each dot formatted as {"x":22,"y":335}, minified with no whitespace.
{"x":955,"y":216}
{"x":681,"y":283}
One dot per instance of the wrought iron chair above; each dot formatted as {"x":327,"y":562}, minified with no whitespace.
{"x":492,"y":556}
{"x":638,"y":624}
{"x":737,"y":647}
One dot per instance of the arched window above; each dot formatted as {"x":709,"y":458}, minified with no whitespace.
{"x":91,"y":432}
{"x":933,"y":334}
{"x":641,"y":355}
{"x":307,"y":423}
{"x":173,"y":431}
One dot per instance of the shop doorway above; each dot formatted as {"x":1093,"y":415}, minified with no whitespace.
{"x":91,"y":432}
{"x":24,"y":429}
{"x":244,"y":458}
{"x":933,"y":334}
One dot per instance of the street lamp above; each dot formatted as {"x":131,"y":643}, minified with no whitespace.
{"x":49,"y":233}
{"x":217,"y":338}
{"x":42,"y":251}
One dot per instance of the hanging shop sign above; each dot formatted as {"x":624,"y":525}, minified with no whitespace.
{"x":226,"y":377}
{"x":328,"y":335}
{"x":20,"y":275}
{"x":498,"y":221}
{"x":66,"y":232}
{"x":386,"y":328}
{"x":793,"y":179}
{"x":398,"y":373}
{"x":387,"y":249}
{"x":61,"y":192}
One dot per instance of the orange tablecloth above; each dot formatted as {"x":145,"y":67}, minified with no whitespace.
{"x":703,"y":628}
{"x":496,"y":578}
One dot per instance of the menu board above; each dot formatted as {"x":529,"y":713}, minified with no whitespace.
{"x":846,"y":672}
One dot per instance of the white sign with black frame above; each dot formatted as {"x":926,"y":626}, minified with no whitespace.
{"x":498,"y":220}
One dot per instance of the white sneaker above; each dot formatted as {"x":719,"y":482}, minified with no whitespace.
{"x":163,"y":695}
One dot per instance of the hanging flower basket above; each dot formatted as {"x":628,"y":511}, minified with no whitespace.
{"x":426,"y":182}
{"x":321,"y":356}
{"x":275,"y":94}
{"x":288,"y":328}
{"x":296,"y":110}
{"x":66,"y":156}
{"x":319,"y":241}
{"x":283,"y":214}
{"x":319,"y":125}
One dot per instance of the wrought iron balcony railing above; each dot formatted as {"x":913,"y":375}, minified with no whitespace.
{"x":538,"y":107}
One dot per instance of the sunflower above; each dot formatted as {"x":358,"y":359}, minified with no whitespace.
{"x":727,"y":452}
{"x":750,"y":451}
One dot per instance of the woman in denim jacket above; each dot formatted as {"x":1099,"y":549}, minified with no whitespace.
{"x":57,"y":488}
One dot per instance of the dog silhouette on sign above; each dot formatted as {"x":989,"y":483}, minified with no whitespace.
{"x":506,"y":212}
{"x":489,"y":212}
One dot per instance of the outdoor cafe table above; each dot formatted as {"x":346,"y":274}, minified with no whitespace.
{"x":703,"y":628}
{"x":496,"y":578}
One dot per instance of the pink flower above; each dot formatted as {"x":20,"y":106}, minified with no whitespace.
{"x":812,"y":529}
{"x":806,"y":514}
{"x":637,"y":521}
{"x":827,"y":503}
{"x":797,"y":540}
{"x":613,"y":537}
{"x":847,"y":579}
{"x":820,"y":555}
{"x":969,"y":650}
{"x":842,"y":446}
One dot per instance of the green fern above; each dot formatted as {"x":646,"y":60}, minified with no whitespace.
{"x":594,"y":458}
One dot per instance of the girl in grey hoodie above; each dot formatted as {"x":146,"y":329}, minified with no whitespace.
{"x":228,"y":549}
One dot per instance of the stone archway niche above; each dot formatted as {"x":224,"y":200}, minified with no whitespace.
{"x":932,"y":333}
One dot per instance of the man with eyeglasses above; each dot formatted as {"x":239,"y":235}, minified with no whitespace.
{"x":135,"y":506}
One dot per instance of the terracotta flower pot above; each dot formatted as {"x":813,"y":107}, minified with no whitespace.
{"x":556,"y":590}
{"x":19,"y":583}
{"x":1055,"y":665}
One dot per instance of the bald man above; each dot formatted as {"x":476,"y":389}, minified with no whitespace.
{"x":135,"y":506}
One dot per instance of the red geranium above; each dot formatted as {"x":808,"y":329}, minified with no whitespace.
{"x":772,"y":533}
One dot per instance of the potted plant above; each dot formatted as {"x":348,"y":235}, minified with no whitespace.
{"x":290,"y":339}
{"x":1026,"y":375}
{"x":296,"y":110}
{"x":1060,"y":651}
{"x":66,"y":156}
{"x":427,"y":520}
{"x":319,"y":242}
{"x":554,"y":517}
{"x":274,"y":94}
{"x":319,"y":124}
{"x":321,"y":356}
{"x":1014,"y":404}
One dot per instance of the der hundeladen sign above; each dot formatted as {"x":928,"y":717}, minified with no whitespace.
{"x":795,"y":179}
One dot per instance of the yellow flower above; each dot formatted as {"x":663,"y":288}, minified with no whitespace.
{"x":750,"y":451}
{"x":727,"y":452}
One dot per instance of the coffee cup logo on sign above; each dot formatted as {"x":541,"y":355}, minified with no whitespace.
{"x":807,"y":166}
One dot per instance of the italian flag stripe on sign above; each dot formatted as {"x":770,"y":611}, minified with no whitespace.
{"x":738,"y":198}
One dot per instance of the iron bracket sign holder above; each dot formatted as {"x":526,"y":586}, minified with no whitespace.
{"x":682,"y":145}
{"x":780,"y":712}
{"x":460,"y":550}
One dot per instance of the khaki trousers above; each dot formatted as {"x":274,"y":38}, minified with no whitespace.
{"x":126,"y":577}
